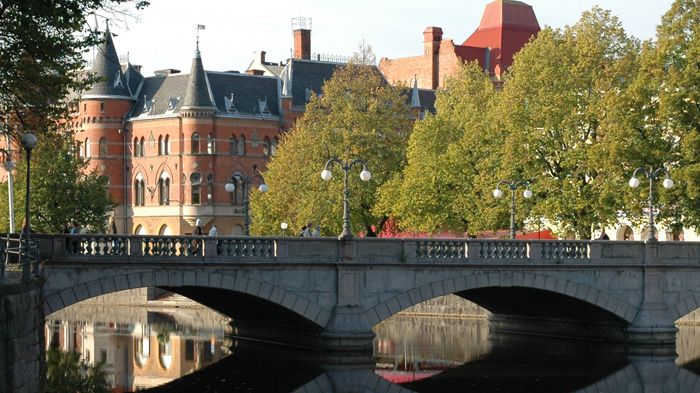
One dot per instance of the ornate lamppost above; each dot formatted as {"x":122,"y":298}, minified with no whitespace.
{"x":652,"y":174}
{"x":513,"y":185}
{"x":326,"y":175}
{"x":28,"y":142}
{"x":245,"y":181}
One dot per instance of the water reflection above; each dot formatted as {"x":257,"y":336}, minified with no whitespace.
{"x":141,"y":347}
{"x":185,"y":350}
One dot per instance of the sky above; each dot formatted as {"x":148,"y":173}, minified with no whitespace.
{"x":164,"y":35}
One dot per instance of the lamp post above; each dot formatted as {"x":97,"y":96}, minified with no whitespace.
{"x":28,"y":142}
{"x":245,"y":181}
{"x":652,"y":174}
{"x":284,"y":227}
{"x":513,"y":185}
{"x":326,"y":175}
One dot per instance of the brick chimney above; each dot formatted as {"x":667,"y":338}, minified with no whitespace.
{"x":432,"y":36}
{"x":302,"y":38}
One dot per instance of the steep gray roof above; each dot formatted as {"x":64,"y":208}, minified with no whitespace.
{"x":197,"y":94}
{"x":106,"y":67}
{"x":161,"y":95}
{"x":309,"y":75}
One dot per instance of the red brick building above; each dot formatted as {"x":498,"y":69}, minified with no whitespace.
{"x":506,"y":26}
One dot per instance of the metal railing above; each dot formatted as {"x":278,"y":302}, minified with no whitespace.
{"x":16,"y":260}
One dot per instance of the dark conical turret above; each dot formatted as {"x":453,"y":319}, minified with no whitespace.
{"x":197,"y":94}
{"x":107,"y":68}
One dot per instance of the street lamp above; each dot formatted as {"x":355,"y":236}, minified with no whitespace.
{"x":284,"y":227}
{"x":28,"y":142}
{"x":245,"y":181}
{"x":513,"y":185}
{"x":326,"y":175}
{"x":652,"y":174}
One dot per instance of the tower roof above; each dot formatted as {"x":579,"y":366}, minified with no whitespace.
{"x":106,"y":66}
{"x":509,"y":13}
{"x":197,"y":93}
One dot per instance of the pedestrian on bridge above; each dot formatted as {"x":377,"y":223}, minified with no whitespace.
{"x":214,"y":231}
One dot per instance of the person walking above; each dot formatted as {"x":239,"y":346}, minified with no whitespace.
{"x":214,"y":231}
{"x":603,"y":235}
{"x":308,"y":229}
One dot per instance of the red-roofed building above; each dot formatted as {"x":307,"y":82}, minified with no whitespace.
{"x":506,"y":26}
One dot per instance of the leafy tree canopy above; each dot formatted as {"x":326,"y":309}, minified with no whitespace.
{"x":358,"y":115}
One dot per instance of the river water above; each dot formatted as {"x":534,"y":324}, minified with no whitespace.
{"x":190,"y":349}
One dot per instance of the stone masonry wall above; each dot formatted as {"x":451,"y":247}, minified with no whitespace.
{"x":22,"y":358}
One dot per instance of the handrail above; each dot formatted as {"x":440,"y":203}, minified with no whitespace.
{"x":12,"y":252}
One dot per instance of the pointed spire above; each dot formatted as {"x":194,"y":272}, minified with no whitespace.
{"x":197,"y":94}
{"x":415,"y":98}
{"x":106,"y":67}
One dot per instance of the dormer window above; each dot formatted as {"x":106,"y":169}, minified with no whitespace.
{"x":262,"y":104}
{"x":230,"y":107}
{"x":147,"y":106}
{"x":172,"y":104}
{"x":118,"y":80}
{"x":308,"y":94}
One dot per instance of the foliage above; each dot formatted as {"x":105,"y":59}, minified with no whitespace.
{"x":358,"y":116}
{"x":436,"y":190}
{"x":61,"y":189}
{"x":556,"y":113}
{"x":41,"y":49}
{"x":68,"y":374}
{"x":669,"y":85}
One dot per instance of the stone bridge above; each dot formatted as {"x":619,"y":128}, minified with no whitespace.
{"x":327,"y":292}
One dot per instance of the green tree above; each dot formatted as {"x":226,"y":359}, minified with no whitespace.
{"x":669,"y":91}
{"x":61,"y":189}
{"x":555,"y":111}
{"x":41,"y":55}
{"x":68,"y":374}
{"x":358,"y":116}
{"x":437,"y":190}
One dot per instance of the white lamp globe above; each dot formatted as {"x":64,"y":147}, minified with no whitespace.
{"x":668,"y":183}
{"x":365,"y":175}
{"x":634,"y":182}
{"x":284,"y":225}
{"x":527,"y":194}
{"x":230,"y":187}
{"x":326,"y":174}
{"x":263,"y":188}
{"x":497,"y":193}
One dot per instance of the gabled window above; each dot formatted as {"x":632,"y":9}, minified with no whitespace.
{"x":230,"y":107}
{"x":195,"y":143}
{"x":117,"y":80}
{"x":262,"y":105}
{"x":103,"y":147}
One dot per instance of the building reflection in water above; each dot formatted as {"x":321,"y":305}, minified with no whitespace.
{"x":141,"y":348}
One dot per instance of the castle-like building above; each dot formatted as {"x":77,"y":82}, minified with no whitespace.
{"x":169,"y":143}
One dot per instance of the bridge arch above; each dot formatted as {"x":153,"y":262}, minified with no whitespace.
{"x":685,"y":306}
{"x":614,"y":305}
{"x":301,"y":306}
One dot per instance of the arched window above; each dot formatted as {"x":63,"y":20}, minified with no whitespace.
{"x":211,"y":144}
{"x":273,"y":148}
{"x":139,"y":191}
{"x":195,"y":143}
{"x":161,"y":145}
{"x":677,"y":235}
{"x":266,"y":147}
{"x":135,"y":148}
{"x":241,"y":146}
{"x":233,"y":145}
{"x":103,"y":147}
{"x":164,"y":230}
{"x":167,"y":145}
{"x":165,"y":354}
{"x":79,"y":146}
{"x":87,"y":147}
{"x":142,"y":147}
{"x":196,"y":182}
{"x":164,"y":189}
{"x":238,"y":195}
{"x":627,"y":233}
